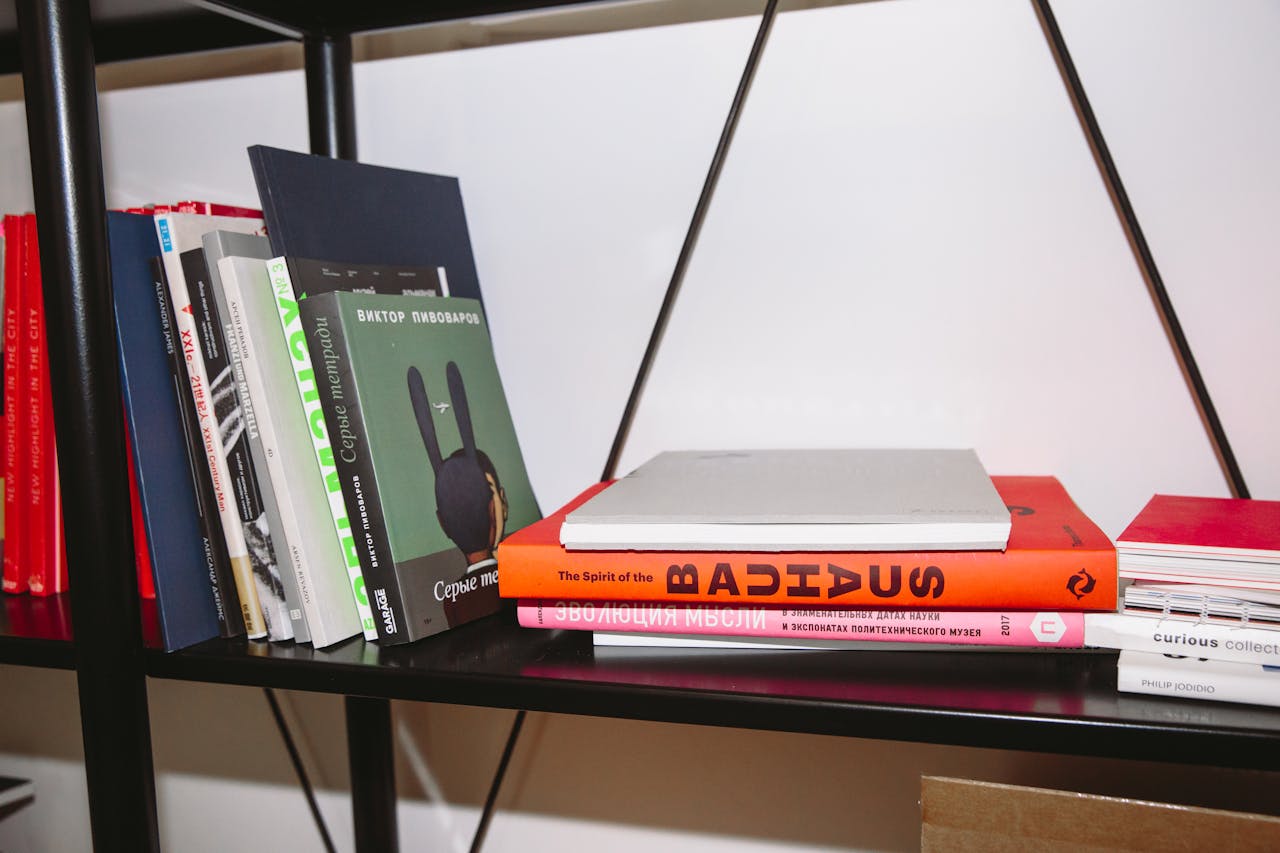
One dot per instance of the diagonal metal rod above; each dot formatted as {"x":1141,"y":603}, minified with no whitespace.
{"x":691,"y":236}
{"x":1129,"y":220}
{"x":491,"y":801}
{"x":303,"y":779}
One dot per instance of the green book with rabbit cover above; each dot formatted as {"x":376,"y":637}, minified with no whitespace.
{"x":424,"y":446}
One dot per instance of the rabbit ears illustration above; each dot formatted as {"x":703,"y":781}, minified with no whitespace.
{"x":461,"y":413}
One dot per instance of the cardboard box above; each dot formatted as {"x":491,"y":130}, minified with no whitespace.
{"x":965,"y":815}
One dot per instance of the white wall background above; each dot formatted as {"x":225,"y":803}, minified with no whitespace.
{"x":910,"y":246}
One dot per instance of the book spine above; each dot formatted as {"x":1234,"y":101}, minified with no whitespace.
{"x":1212,"y":640}
{"x":1197,"y":678}
{"x":40,"y":521}
{"x":215,"y":458}
{"x":316,"y":554}
{"x":287,"y":535}
{"x":15,"y":451}
{"x":226,"y":598}
{"x":304,"y":376}
{"x":1011,"y":580}
{"x":344,"y":418}
{"x":232,"y":426}
{"x":966,"y":627}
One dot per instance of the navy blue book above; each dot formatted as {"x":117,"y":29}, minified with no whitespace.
{"x":180,"y":551}
{"x":356,"y":213}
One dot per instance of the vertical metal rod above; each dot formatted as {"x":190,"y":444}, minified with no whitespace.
{"x":331,"y":113}
{"x":1142,"y":251}
{"x":66,"y":166}
{"x":373,"y":781}
{"x":332,"y":118}
{"x":691,"y":236}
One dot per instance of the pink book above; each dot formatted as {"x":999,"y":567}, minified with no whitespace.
{"x":1021,"y":628}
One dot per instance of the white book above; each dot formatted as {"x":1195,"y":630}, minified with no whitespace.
{"x":1256,"y":607}
{"x":305,"y":391}
{"x":179,"y":232}
{"x":314,"y":552}
{"x":1214,"y":640}
{"x":788,"y":500}
{"x":636,"y":640}
{"x":218,"y":245}
{"x":645,"y":640}
{"x":1172,"y":568}
{"x":1198,"y":678}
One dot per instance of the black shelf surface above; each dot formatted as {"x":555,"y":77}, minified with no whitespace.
{"x":36,"y":631}
{"x":1044,"y":702}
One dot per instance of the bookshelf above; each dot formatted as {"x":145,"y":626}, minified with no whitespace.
{"x":1049,"y":703}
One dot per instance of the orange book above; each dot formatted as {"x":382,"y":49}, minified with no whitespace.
{"x":1057,"y":559}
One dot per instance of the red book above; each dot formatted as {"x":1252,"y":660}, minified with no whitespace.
{"x":31,"y":486}
{"x":214,"y":209}
{"x":1233,"y":527}
{"x":1056,"y":559}
{"x":142,"y":554}
{"x":15,"y":451}
{"x":46,"y":570}
{"x":1225,"y":541}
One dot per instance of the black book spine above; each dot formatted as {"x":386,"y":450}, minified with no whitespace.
{"x":217,"y":560}
{"x":344,"y":419}
{"x":240,"y":470}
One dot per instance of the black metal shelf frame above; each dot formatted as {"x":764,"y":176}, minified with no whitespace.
{"x":1064,"y":703}
{"x":66,"y":166}
{"x":57,"y":49}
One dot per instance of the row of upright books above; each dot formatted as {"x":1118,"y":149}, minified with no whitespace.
{"x":317,"y":433}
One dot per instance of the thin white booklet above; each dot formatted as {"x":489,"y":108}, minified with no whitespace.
{"x":796,"y":500}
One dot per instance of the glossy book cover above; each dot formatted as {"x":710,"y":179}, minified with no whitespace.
{"x":426,"y":450}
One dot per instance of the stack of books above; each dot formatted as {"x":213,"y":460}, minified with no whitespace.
{"x":1200,"y":616}
{"x":317,"y":429}
{"x":815,"y":549}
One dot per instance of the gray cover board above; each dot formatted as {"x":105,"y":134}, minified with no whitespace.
{"x":798,"y":487}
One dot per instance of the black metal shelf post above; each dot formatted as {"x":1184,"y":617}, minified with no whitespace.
{"x":331,"y":119}
{"x":331,"y":110}
{"x":66,"y":165}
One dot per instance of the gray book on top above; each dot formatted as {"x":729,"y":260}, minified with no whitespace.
{"x":796,"y":500}
{"x":225,"y":244}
